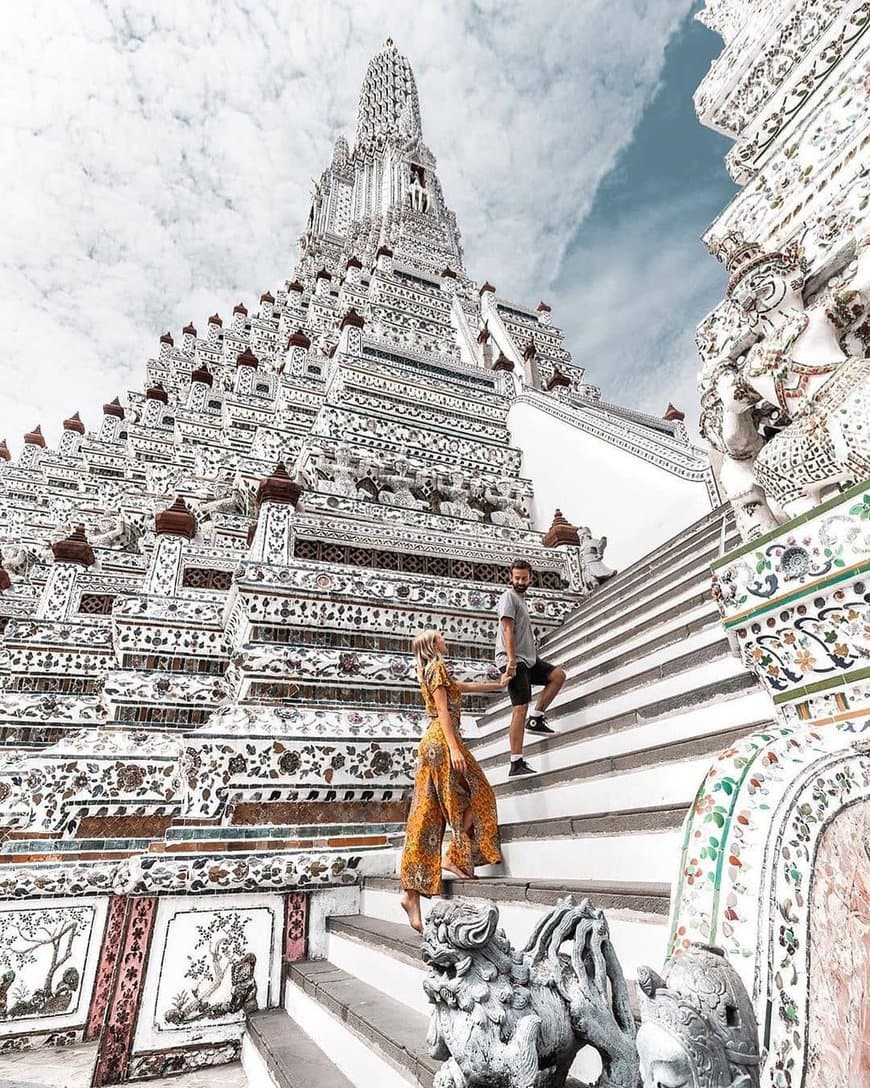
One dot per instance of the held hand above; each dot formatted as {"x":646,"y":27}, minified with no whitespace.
{"x":504,"y":680}
{"x":457,"y":760}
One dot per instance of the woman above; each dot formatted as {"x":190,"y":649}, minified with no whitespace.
{"x":449,"y":787}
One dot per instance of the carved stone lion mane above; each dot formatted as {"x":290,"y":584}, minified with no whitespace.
{"x":503,"y":1018}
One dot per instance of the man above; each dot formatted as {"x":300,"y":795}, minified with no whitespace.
{"x":516,"y":654}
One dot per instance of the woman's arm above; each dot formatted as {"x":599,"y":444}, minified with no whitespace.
{"x":482,"y":687}
{"x":457,"y":759}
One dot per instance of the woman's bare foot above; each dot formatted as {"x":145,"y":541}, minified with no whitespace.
{"x":451,"y":868}
{"x":411,"y":906}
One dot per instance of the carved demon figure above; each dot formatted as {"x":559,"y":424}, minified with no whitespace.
{"x":699,"y":1028}
{"x":516,"y":1019}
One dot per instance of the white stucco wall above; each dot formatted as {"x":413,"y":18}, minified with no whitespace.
{"x":634,"y":503}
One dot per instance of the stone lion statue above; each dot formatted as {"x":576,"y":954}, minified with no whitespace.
{"x":699,"y":1028}
{"x":503,"y":1018}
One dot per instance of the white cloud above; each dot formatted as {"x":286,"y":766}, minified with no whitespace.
{"x":631,"y":298}
{"x":156,"y":157}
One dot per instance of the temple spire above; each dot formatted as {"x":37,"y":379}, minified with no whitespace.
{"x":388,"y":103}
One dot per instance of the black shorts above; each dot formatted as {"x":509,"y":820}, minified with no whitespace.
{"x":520,"y":685}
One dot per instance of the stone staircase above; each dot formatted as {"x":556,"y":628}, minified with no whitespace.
{"x":653,"y":692}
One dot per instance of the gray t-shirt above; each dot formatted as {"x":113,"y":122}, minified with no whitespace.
{"x":512,"y":606}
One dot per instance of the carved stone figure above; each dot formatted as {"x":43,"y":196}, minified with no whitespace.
{"x":341,"y":481}
{"x":417,"y":194}
{"x":397,"y":489}
{"x":782,"y":402}
{"x":19,"y":558}
{"x":508,"y":1019}
{"x":509,"y":509}
{"x":123,"y":530}
{"x":457,"y":505}
{"x":699,"y":1028}
{"x":592,"y":557}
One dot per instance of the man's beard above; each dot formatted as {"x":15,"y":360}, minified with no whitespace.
{"x":519,"y":589}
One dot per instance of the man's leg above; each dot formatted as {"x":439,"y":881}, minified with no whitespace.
{"x":552,"y":688}
{"x":520,"y":693}
{"x":517,"y":729}
{"x":552,"y":678}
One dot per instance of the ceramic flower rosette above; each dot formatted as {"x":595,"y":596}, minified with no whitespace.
{"x":797,"y":603}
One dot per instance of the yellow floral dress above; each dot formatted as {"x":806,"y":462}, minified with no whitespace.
{"x":442,"y":796}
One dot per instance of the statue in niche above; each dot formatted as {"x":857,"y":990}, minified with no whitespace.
{"x":507,"y":505}
{"x":417,"y":194}
{"x":783,"y":404}
{"x":457,"y":504}
{"x":397,"y":489}
{"x":505,"y":1018}
{"x":121,"y":530}
{"x":699,"y":1028}
{"x":19,"y":558}
{"x":341,"y":480}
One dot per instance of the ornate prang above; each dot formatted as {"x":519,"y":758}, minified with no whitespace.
{"x":74,"y":549}
{"x":699,"y":1027}
{"x":502,"y":1018}
{"x":503,"y":363}
{"x":176,"y":520}
{"x":560,"y":532}
{"x":351,"y":319}
{"x":157,"y":392}
{"x":202,"y":374}
{"x":279,"y":487}
{"x":673,"y":415}
{"x":5,"y":455}
{"x":35,"y":438}
{"x":247,"y":358}
{"x":114,"y":408}
{"x":74,"y":423}
{"x":298,"y":339}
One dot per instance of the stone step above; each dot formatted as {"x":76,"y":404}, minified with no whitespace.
{"x":372,"y":1038}
{"x":707,"y":540}
{"x":676,"y":751}
{"x":645,"y":639}
{"x":731,"y":704}
{"x":676,"y":683}
{"x":381,"y":947}
{"x":633,"y":601}
{"x":653,"y":619}
{"x":693,"y":657}
{"x":681,"y":604}
{"x":639,"y":846}
{"x":701,"y":529}
{"x":650,"y":897}
{"x":276,"y":1053}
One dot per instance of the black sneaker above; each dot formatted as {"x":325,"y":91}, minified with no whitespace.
{"x":537,"y":723}
{"x":518,"y":767}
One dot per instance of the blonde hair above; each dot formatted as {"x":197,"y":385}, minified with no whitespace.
{"x":425,"y":651}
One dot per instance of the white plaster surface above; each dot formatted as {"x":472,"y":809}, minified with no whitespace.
{"x":176,"y":931}
{"x":362,"y":1065}
{"x":635,"y":504}
{"x":70,"y":1067}
{"x":54,"y":915}
{"x":325,"y":904}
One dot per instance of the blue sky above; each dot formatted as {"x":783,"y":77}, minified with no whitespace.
{"x":635,"y":278}
{"x":157,"y":164}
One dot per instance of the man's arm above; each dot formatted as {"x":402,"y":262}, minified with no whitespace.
{"x":507,"y":631}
